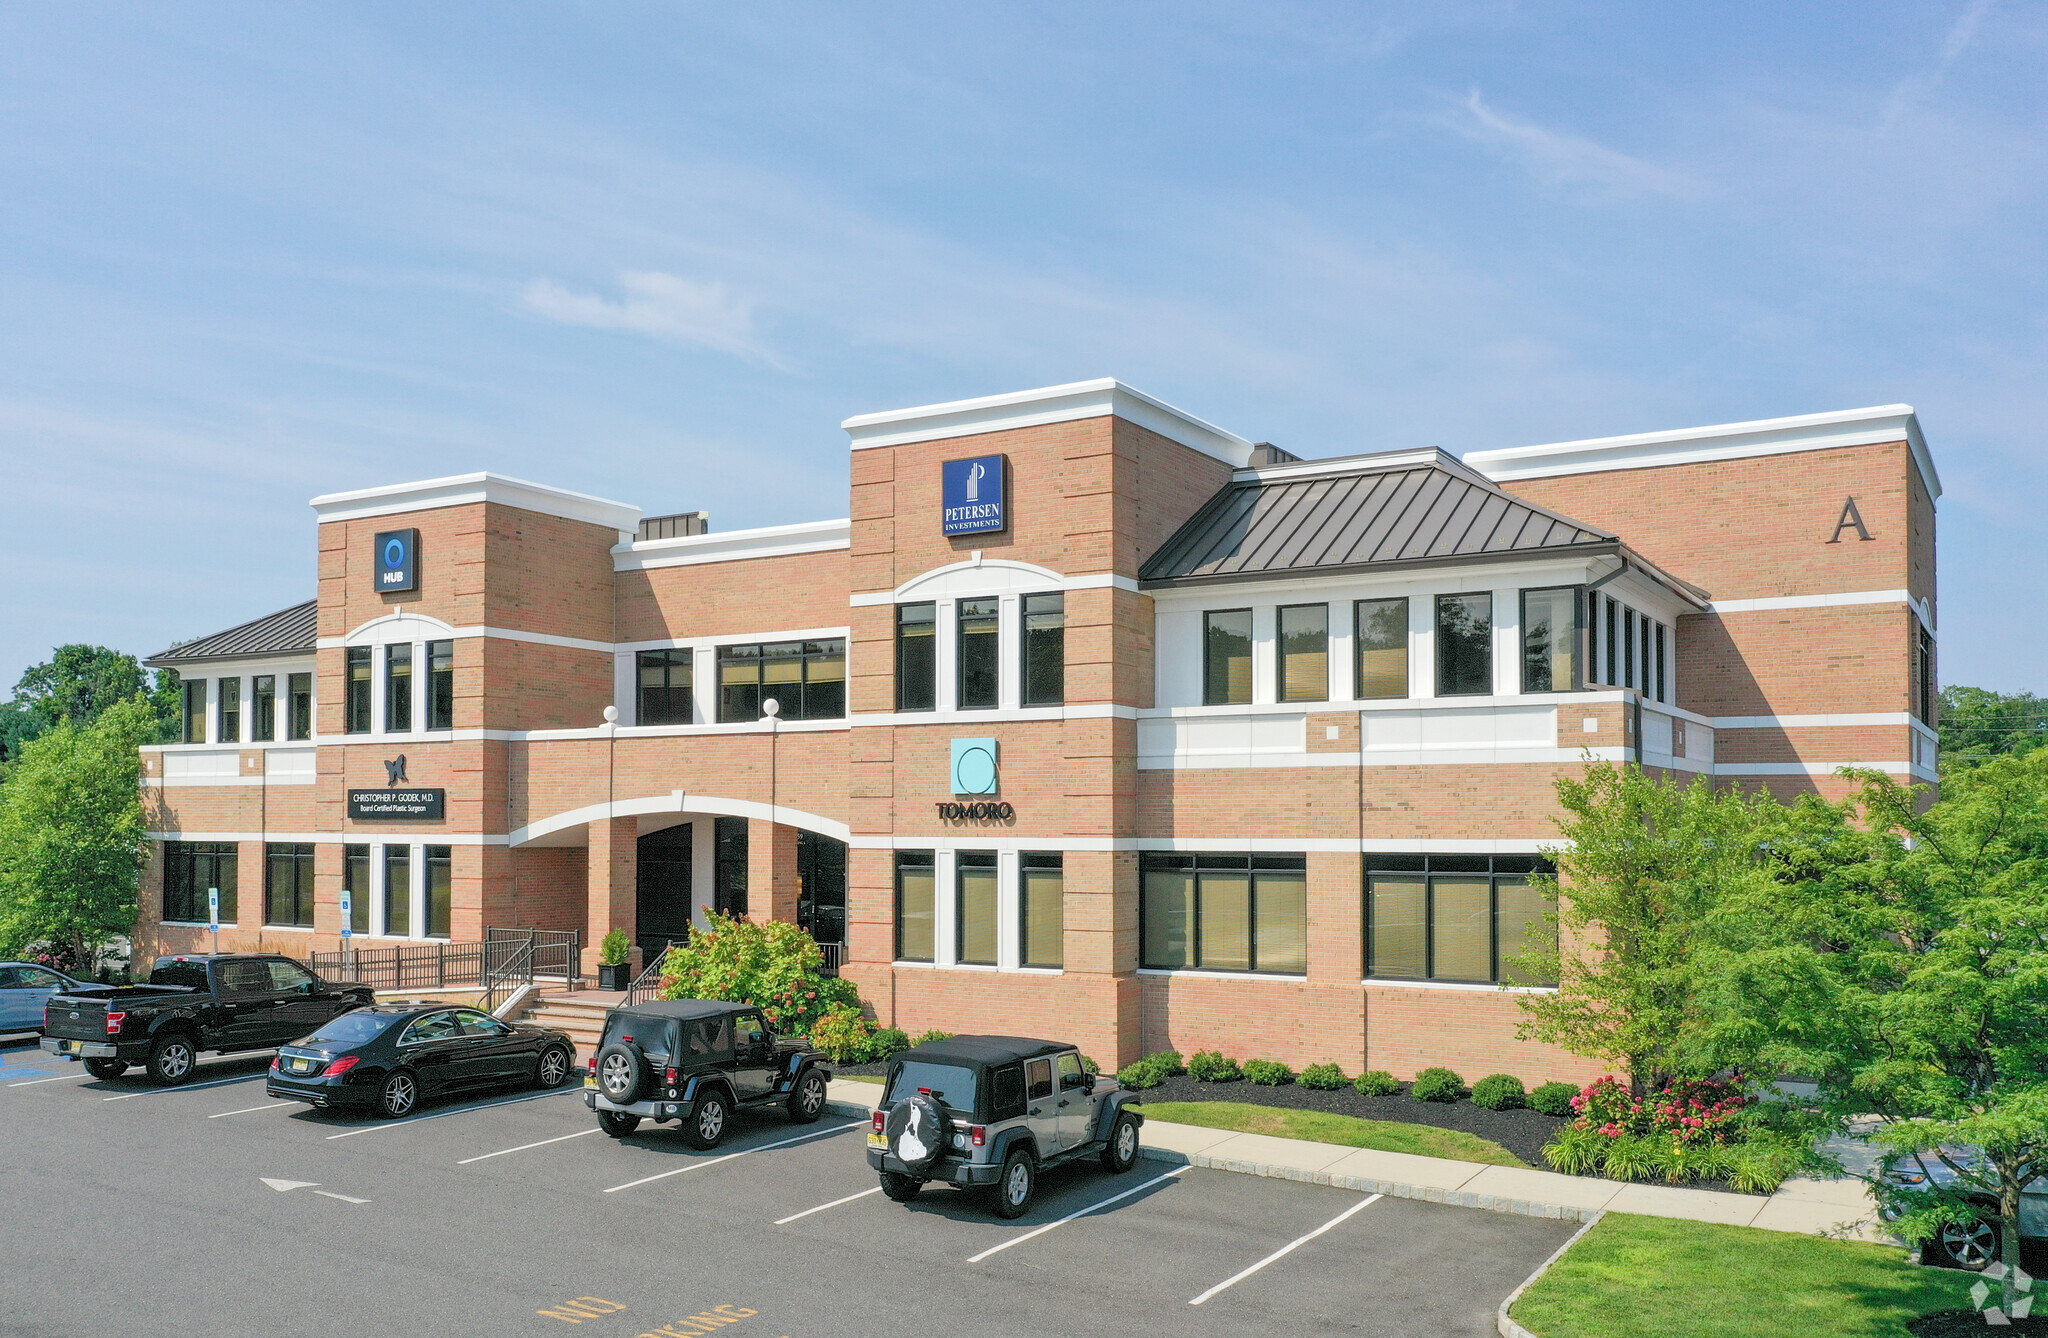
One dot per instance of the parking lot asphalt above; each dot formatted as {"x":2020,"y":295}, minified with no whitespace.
{"x":208,"y":1209}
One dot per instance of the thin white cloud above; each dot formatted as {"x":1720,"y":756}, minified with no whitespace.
{"x":1915,"y":88}
{"x":1561,"y":158}
{"x":666,"y":306}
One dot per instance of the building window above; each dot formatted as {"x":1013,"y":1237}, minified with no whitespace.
{"x":398,"y":688}
{"x":355,"y":880}
{"x":230,"y":710}
{"x":1612,"y":641}
{"x":300,"y":724}
{"x":263,"y":708}
{"x":1224,"y":912}
{"x":1628,"y":650}
{"x":1464,"y":645}
{"x":915,"y":879}
{"x":357,"y":719}
{"x":191,"y":870}
{"x":1550,"y":639}
{"x":917,"y":652}
{"x":1924,"y":677}
{"x":664,"y":677}
{"x":980,"y":654}
{"x":1663,"y":650}
{"x":1227,"y":657}
{"x":195,"y":710}
{"x":288,"y":883}
{"x":440,"y":862}
{"x":1461,"y":918}
{"x":1045,"y":650}
{"x":807,"y":679}
{"x":440,"y":685}
{"x":1303,"y":647}
{"x":1380,"y":647}
{"x":729,"y":867}
{"x":974,"y":907}
{"x":1041,"y":909}
{"x":398,"y":891}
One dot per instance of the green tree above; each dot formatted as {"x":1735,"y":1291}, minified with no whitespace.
{"x":72,"y":837}
{"x":1977,"y":723}
{"x":1647,"y":872}
{"x":774,"y":965}
{"x":78,"y":683}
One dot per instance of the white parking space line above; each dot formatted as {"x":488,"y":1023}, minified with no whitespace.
{"x":59,"y":1078}
{"x":743,"y":1152}
{"x":785,"y":1221}
{"x":442,"y":1115}
{"x":1079,"y":1212}
{"x":169,"y":1091}
{"x":1285,"y":1250}
{"x":250,"y":1110}
{"x":580,"y":1133}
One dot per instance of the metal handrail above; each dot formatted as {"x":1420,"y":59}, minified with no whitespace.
{"x":649,"y":978}
{"x":515,"y":970}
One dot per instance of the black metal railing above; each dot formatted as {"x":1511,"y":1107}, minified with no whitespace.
{"x":557,"y":953}
{"x":835,"y":957}
{"x":506,"y":959}
{"x":510,"y":976}
{"x":649,"y":980}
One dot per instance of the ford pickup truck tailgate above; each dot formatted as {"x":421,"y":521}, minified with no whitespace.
{"x":72,"y":1018}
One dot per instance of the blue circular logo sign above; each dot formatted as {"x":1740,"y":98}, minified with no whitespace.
{"x":394,"y":552}
{"x":974,"y":772}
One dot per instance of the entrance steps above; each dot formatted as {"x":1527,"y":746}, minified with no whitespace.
{"x":580,"y":1015}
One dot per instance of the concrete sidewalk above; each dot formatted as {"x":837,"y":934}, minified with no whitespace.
{"x":1807,"y":1207}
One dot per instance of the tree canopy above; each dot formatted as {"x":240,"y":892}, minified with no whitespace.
{"x":1977,"y":723}
{"x":78,"y":683}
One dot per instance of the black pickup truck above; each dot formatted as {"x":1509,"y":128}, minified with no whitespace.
{"x":222,"y":1003}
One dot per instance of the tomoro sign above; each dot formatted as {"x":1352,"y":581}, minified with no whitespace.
{"x":975,"y":494}
{"x":397,"y":559}
{"x":974,"y":766}
{"x":396,"y":805}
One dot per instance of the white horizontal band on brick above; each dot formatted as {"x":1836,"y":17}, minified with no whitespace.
{"x":253,"y":778}
{"x":1838,"y":600}
{"x":1837,"y":720}
{"x":1376,"y":983}
{"x":1098,"y":581}
{"x":500,"y":633}
{"x":957,"y":719}
{"x":1808,"y":768}
{"x":175,"y":748}
{"x":689,"y":550}
{"x":736,"y":639}
{"x":1431,"y":757}
{"x":397,"y":499}
{"x":1276,"y":977}
{"x":428,"y":837}
{"x":1068,"y":403}
{"x":1260,"y":845}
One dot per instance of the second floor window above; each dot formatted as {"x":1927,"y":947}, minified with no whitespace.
{"x":231,"y":710}
{"x":1304,"y":647}
{"x":1380,"y":635}
{"x":1227,"y":657}
{"x":974,"y":908}
{"x":356,"y":714}
{"x":917,"y":657}
{"x":440,"y":685}
{"x":980,"y":657}
{"x":299,"y":722}
{"x":1550,"y":639}
{"x":807,"y":679}
{"x":1045,"y":650}
{"x":664,"y":687}
{"x":398,"y":688}
{"x":195,"y":710}
{"x":1464,"y":645}
{"x":915,"y":914}
{"x":263,"y":708}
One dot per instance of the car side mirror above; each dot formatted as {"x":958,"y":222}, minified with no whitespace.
{"x":1090,"y":1088}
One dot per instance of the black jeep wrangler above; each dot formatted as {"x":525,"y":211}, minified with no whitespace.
{"x":698,"y":1060}
{"x":995,"y":1110}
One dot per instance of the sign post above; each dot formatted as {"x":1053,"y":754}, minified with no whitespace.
{"x":213,"y":915}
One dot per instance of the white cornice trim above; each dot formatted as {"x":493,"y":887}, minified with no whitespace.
{"x":466,"y":489}
{"x":811,"y":536}
{"x":463,"y":633}
{"x":1105,"y":580}
{"x":1722,"y":441}
{"x":1357,"y":464}
{"x":1101,"y":398}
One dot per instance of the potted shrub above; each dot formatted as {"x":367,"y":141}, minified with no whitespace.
{"x":615,"y":961}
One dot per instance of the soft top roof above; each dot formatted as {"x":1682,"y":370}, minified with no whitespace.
{"x":983,"y":1051}
{"x":684,"y":1009}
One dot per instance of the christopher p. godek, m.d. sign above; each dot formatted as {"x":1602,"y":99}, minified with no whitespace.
{"x":975,"y":494}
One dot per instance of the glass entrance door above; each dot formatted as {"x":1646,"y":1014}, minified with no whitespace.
{"x":821,"y":886}
{"x":662,"y":889}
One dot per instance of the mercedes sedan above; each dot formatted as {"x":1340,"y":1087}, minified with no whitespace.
{"x":391,"y":1057}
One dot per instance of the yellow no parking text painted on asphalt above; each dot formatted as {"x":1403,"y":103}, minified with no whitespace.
{"x":583,"y":1309}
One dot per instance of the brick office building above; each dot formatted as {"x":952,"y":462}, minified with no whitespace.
{"x":1093,"y":719}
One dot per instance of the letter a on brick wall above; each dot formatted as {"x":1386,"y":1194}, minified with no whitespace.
{"x":1850,"y":516}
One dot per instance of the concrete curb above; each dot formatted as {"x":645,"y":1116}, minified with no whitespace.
{"x":1506,"y":1327}
{"x":1393,"y":1189}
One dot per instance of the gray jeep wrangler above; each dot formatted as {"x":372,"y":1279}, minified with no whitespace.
{"x":995,"y":1111}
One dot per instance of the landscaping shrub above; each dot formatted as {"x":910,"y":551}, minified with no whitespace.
{"x":771,"y":964}
{"x":884,"y":1042}
{"x":1323,"y":1078}
{"x":1139,"y":1076}
{"x":615,"y":949}
{"x":1210,"y":1066}
{"x":1499,"y":1091}
{"x":1379,"y":1082}
{"x":1168,"y":1062}
{"x":1090,"y":1066}
{"x":1267,"y":1072}
{"x":843,"y":1034}
{"x":1553,"y":1098}
{"x":932,"y":1037}
{"x":1437,"y":1084}
{"x":1692,"y":1130}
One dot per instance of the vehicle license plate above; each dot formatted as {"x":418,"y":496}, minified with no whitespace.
{"x":590,"y":1081}
{"x":75,"y":1047}
{"x":301,"y":1065}
{"x":876,"y":1140}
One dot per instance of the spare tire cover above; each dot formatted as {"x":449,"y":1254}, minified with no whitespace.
{"x":635,"y":1073}
{"x":918,"y":1131}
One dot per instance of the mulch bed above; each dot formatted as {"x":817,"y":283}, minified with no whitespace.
{"x":1956,"y":1323}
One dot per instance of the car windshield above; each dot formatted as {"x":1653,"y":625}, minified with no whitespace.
{"x":357,"y":1027}
{"x":950,"y":1083}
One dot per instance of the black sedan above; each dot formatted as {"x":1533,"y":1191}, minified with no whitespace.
{"x":392,"y":1057}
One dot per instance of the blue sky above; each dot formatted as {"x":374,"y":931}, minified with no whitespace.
{"x":251,"y":254}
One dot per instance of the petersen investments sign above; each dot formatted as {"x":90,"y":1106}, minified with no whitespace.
{"x":975,"y":494}
{"x":404,"y":804}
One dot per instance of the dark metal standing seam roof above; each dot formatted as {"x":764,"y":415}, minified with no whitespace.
{"x":289,"y":631}
{"x":1395,"y":515}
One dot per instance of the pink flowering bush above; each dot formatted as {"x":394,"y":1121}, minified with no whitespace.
{"x":1695,"y":1129}
{"x":1689,"y":1111}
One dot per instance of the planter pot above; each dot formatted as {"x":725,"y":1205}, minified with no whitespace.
{"x":614,"y":977}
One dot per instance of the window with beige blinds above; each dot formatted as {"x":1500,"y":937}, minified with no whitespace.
{"x":974,"y":907}
{"x":1456,"y":918}
{"x":1221,"y":912}
{"x":1380,"y":639}
{"x":915,"y":919}
{"x":1304,"y":650}
{"x":1041,"y":911}
{"x":1227,"y":657}
{"x":1550,"y":639}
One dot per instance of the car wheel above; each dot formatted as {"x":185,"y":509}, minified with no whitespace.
{"x":106,"y":1068}
{"x":706,"y":1126}
{"x":807,"y":1102}
{"x":554,"y":1066}
{"x":1972,"y":1248}
{"x":1120,"y":1153}
{"x":620,"y":1073}
{"x":902,"y":1188}
{"x":171,"y":1060}
{"x":399,"y":1094}
{"x":1019,"y":1179}
{"x":616,"y":1123}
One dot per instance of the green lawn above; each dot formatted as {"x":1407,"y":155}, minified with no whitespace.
{"x":1652,"y":1277}
{"x":874,"y":1078}
{"x":1419,"y":1140}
